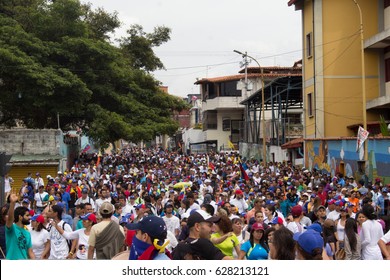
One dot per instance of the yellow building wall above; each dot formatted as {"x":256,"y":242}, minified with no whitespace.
{"x":338,"y":65}
{"x":308,"y":70}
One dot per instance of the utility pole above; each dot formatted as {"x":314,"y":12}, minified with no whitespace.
{"x":245,"y":56}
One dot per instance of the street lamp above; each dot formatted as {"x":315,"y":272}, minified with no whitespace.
{"x":245,"y":55}
{"x":363,"y":81}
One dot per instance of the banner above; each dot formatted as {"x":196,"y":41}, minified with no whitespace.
{"x":361,"y":137}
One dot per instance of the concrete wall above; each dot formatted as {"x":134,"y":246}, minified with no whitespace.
{"x":31,"y":141}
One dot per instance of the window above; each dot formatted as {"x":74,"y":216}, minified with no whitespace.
{"x":387,"y":70}
{"x":309,"y":45}
{"x":310,"y":105}
{"x":226,"y":124}
{"x":210,"y":120}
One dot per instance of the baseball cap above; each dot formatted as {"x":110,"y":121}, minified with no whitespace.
{"x":238,"y":192}
{"x":257,"y":226}
{"x":276,"y":221}
{"x":296,"y":211}
{"x":199,"y":216}
{"x":89,"y":216}
{"x":319,"y":207}
{"x":85,"y":190}
{"x":106,"y":208}
{"x":154,"y":226}
{"x":38,"y":218}
{"x":309,"y":241}
{"x":60,"y":204}
{"x":26,"y":200}
{"x":316,"y":227}
{"x":331,"y":201}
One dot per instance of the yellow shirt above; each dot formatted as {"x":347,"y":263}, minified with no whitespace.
{"x":227,"y":246}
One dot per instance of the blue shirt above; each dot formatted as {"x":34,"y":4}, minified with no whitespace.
{"x":254,"y":253}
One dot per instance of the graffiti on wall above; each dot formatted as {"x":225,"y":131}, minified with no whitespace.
{"x":333,"y":156}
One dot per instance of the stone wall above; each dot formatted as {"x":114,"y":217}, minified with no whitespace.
{"x":30,"y":141}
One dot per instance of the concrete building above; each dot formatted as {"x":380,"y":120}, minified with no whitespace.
{"x":46,"y":151}
{"x":346,"y":76}
{"x":222,"y":113}
{"x":332,"y":65}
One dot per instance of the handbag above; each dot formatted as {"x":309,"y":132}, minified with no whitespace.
{"x":340,"y":254}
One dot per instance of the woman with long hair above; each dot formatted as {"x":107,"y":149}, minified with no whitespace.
{"x":340,"y":227}
{"x":360,"y":219}
{"x":352,"y":242}
{"x":255,"y":248}
{"x":270,"y":213}
{"x":371,"y":233}
{"x":282,"y":245}
{"x":81,"y":236}
{"x":40,"y":237}
{"x":224,"y":237}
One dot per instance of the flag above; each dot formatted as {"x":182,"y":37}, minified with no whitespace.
{"x":361,"y":137}
{"x":86,"y":149}
{"x":243,"y":172}
{"x":98,"y":159}
{"x":231,"y":145}
{"x":210,"y":164}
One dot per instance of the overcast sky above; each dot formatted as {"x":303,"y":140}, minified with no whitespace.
{"x":205,"y":33}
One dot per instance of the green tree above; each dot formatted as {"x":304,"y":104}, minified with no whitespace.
{"x":56,"y":58}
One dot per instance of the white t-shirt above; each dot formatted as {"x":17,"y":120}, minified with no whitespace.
{"x":38,"y":197}
{"x":333,"y":215}
{"x":295,"y":227}
{"x":173,"y":223}
{"x":86,"y":200}
{"x":38,"y":240}
{"x":371,"y":233}
{"x":82,"y":246}
{"x":386,"y":238}
{"x":7,"y":187}
{"x":59,"y":249}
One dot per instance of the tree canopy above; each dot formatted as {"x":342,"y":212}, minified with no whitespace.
{"x":56,"y":57}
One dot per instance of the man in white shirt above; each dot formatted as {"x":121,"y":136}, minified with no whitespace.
{"x":335,"y":214}
{"x":38,"y":181}
{"x":296,"y":226}
{"x":172,"y":222}
{"x":105,"y":197}
{"x":85,"y":198}
{"x":239,"y":201}
{"x":39,"y":200}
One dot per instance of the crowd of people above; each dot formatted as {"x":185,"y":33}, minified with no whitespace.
{"x":144,"y":204}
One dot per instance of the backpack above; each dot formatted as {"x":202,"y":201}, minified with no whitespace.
{"x":69,"y":242}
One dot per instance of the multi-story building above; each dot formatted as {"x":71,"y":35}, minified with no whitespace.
{"x":231,"y":107}
{"x":332,"y":65}
{"x":346,"y":84}
{"x":222,"y":112}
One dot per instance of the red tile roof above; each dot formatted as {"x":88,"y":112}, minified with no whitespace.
{"x":295,"y":143}
{"x":242,"y":76}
